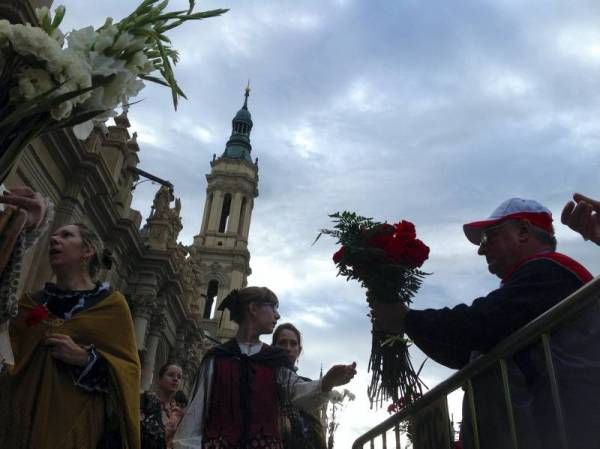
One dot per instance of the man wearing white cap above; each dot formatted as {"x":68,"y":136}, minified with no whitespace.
{"x":518,"y":243}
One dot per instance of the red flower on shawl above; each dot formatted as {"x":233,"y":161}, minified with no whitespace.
{"x":36,"y":315}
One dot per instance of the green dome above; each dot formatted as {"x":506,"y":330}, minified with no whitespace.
{"x":238,"y":146}
{"x":243,"y":115}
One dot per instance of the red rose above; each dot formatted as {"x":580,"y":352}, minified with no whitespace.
{"x":415,"y":253}
{"x":394,"y":249}
{"x":36,"y":315}
{"x":339,"y":254}
{"x":396,"y":406}
{"x":382,"y":234}
{"x":405,"y":231}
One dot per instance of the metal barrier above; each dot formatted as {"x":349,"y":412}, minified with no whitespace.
{"x":537,"y":330}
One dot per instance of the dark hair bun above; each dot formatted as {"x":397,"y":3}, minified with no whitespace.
{"x":107,"y":258}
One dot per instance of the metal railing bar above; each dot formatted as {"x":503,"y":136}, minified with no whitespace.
{"x":471,"y":400}
{"x":397,"y":434}
{"x":384,"y":439}
{"x":560,"y":417}
{"x":372,"y":444}
{"x":508,"y":401}
{"x":561,"y":312}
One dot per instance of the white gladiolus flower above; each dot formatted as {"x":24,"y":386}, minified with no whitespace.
{"x":28,"y":40}
{"x":123,"y":42}
{"x":82,"y":40}
{"x":5,"y":33}
{"x":140,"y":63}
{"x":62,"y":111}
{"x":33,"y":82}
{"x":106,"y":38}
{"x":58,"y":36}
{"x":42,"y":13}
{"x":138,"y":44}
{"x":83,"y":130}
{"x":123,"y":86}
{"x":104,"y":65}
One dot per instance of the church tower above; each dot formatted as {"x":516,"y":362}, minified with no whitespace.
{"x":221,"y":247}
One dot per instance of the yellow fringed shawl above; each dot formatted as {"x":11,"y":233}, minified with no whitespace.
{"x":41,"y":407}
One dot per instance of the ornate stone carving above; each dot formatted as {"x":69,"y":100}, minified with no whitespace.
{"x":164,"y":223}
{"x":174,"y":217}
{"x":160,"y":205}
{"x":190,"y":274}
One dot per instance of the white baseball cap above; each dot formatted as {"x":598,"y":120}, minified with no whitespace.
{"x":511,"y":209}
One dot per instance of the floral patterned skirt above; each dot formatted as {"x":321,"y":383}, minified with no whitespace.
{"x":257,"y":442}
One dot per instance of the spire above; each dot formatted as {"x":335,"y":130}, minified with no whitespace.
{"x":238,"y":146}
{"x":247,"y":94}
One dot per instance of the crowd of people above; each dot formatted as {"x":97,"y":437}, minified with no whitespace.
{"x":72,"y":384}
{"x":68,"y":383}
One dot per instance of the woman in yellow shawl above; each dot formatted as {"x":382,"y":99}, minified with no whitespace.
{"x":75,"y":381}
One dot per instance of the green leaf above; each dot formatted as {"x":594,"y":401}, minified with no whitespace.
{"x":75,"y":120}
{"x":59,"y":14}
{"x":41,"y":104}
{"x":154,"y":79}
{"x":46,"y":24}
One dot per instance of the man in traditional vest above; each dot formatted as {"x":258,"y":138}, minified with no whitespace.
{"x":519,"y":246}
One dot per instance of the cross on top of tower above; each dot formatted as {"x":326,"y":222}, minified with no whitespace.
{"x":246,"y":94}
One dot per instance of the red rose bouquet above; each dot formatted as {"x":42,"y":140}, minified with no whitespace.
{"x":385,"y":259}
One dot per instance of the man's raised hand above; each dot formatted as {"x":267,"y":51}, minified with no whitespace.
{"x":583,"y":216}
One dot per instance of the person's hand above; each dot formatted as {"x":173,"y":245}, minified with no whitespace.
{"x":583,"y":216}
{"x":388,"y":318}
{"x":28,"y":200}
{"x":175,"y":414}
{"x":338,"y":375}
{"x":63,"y":348}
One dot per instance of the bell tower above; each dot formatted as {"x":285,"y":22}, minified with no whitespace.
{"x":221,"y":247}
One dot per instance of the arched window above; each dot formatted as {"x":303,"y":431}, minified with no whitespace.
{"x":225,"y":212}
{"x":211,"y":299}
{"x":242,"y":214}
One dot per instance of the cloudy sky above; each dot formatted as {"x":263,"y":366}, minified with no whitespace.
{"x":400,"y":109}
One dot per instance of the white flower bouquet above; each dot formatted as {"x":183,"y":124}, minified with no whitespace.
{"x":47,"y":83}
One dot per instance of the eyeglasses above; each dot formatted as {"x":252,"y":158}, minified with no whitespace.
{"x":272,"y":305}
{"x":488,"y":235}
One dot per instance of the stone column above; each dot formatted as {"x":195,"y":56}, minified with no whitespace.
{"x":140,"y":322}
{"x":156,"y":328}
{"x":215,"y":213}
{"x":247,"y":218}
{"x":141,"y":305}
{"x":234,"y":213}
